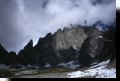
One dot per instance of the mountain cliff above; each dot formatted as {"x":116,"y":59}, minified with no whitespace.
{"x":83,"y":45}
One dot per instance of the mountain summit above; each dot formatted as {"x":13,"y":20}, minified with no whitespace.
{"x":81,"y":45}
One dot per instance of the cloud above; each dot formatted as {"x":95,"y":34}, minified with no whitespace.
{"x":35,"y":18}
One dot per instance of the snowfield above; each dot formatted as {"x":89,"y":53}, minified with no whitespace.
{"x":97,"y":71}
{"x":47,"y":65}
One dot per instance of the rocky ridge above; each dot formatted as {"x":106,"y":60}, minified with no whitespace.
{"x":83,"y":45}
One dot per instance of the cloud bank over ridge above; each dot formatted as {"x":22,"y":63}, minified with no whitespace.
{"x":23,"y":20}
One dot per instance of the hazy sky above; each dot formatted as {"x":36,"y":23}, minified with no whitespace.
{"x":22,"y":20}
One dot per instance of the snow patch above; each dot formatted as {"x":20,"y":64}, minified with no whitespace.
{"x":98,"y":71}
{"x":94,"y":63}
{"x":47,"y":65}
{"x":69,"y":65}
{"x":100,"y":36}
{"x":101,"y":64}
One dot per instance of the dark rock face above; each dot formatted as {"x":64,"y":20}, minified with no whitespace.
{"x":12,"y":58}
{"x":45,"y":52}
{"x":7,"y":58}
{"x":109,"y":47}
{"x":98,"y":47}
{"x":26,"y":55}
{"x":3,"y":55}
{"x":40,"y":54}
{"x":91,"y":47}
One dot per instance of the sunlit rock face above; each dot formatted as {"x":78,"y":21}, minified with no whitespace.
{"x":69,"y":37}
{"x":68,"y":41}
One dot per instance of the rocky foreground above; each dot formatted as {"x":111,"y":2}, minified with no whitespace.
{"x":101,"y":70}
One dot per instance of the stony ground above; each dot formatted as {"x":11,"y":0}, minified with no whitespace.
{"x":38,"y":73}
{"x":47,"y":75}
{"x":100,"y":70}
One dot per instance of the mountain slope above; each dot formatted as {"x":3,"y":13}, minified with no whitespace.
{"x":83,"y":45}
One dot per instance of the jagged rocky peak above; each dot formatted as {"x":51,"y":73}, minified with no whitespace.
{"x":27,"y":48}
{"x":29,"y":45}
{"x":25,"y":55}
{"x":7,"y":58}
{"x":47,"y":37}
{"x":80,"y":44}
{"x":2,"y":50}
{"x":3,"y":55}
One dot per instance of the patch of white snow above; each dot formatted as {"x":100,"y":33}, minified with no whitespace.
{"x":101,"y":64}
{"x":100,"y":36}
{"x":70,"y":65}
{"x":47,"y":65}
{"x":98,"y":71}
